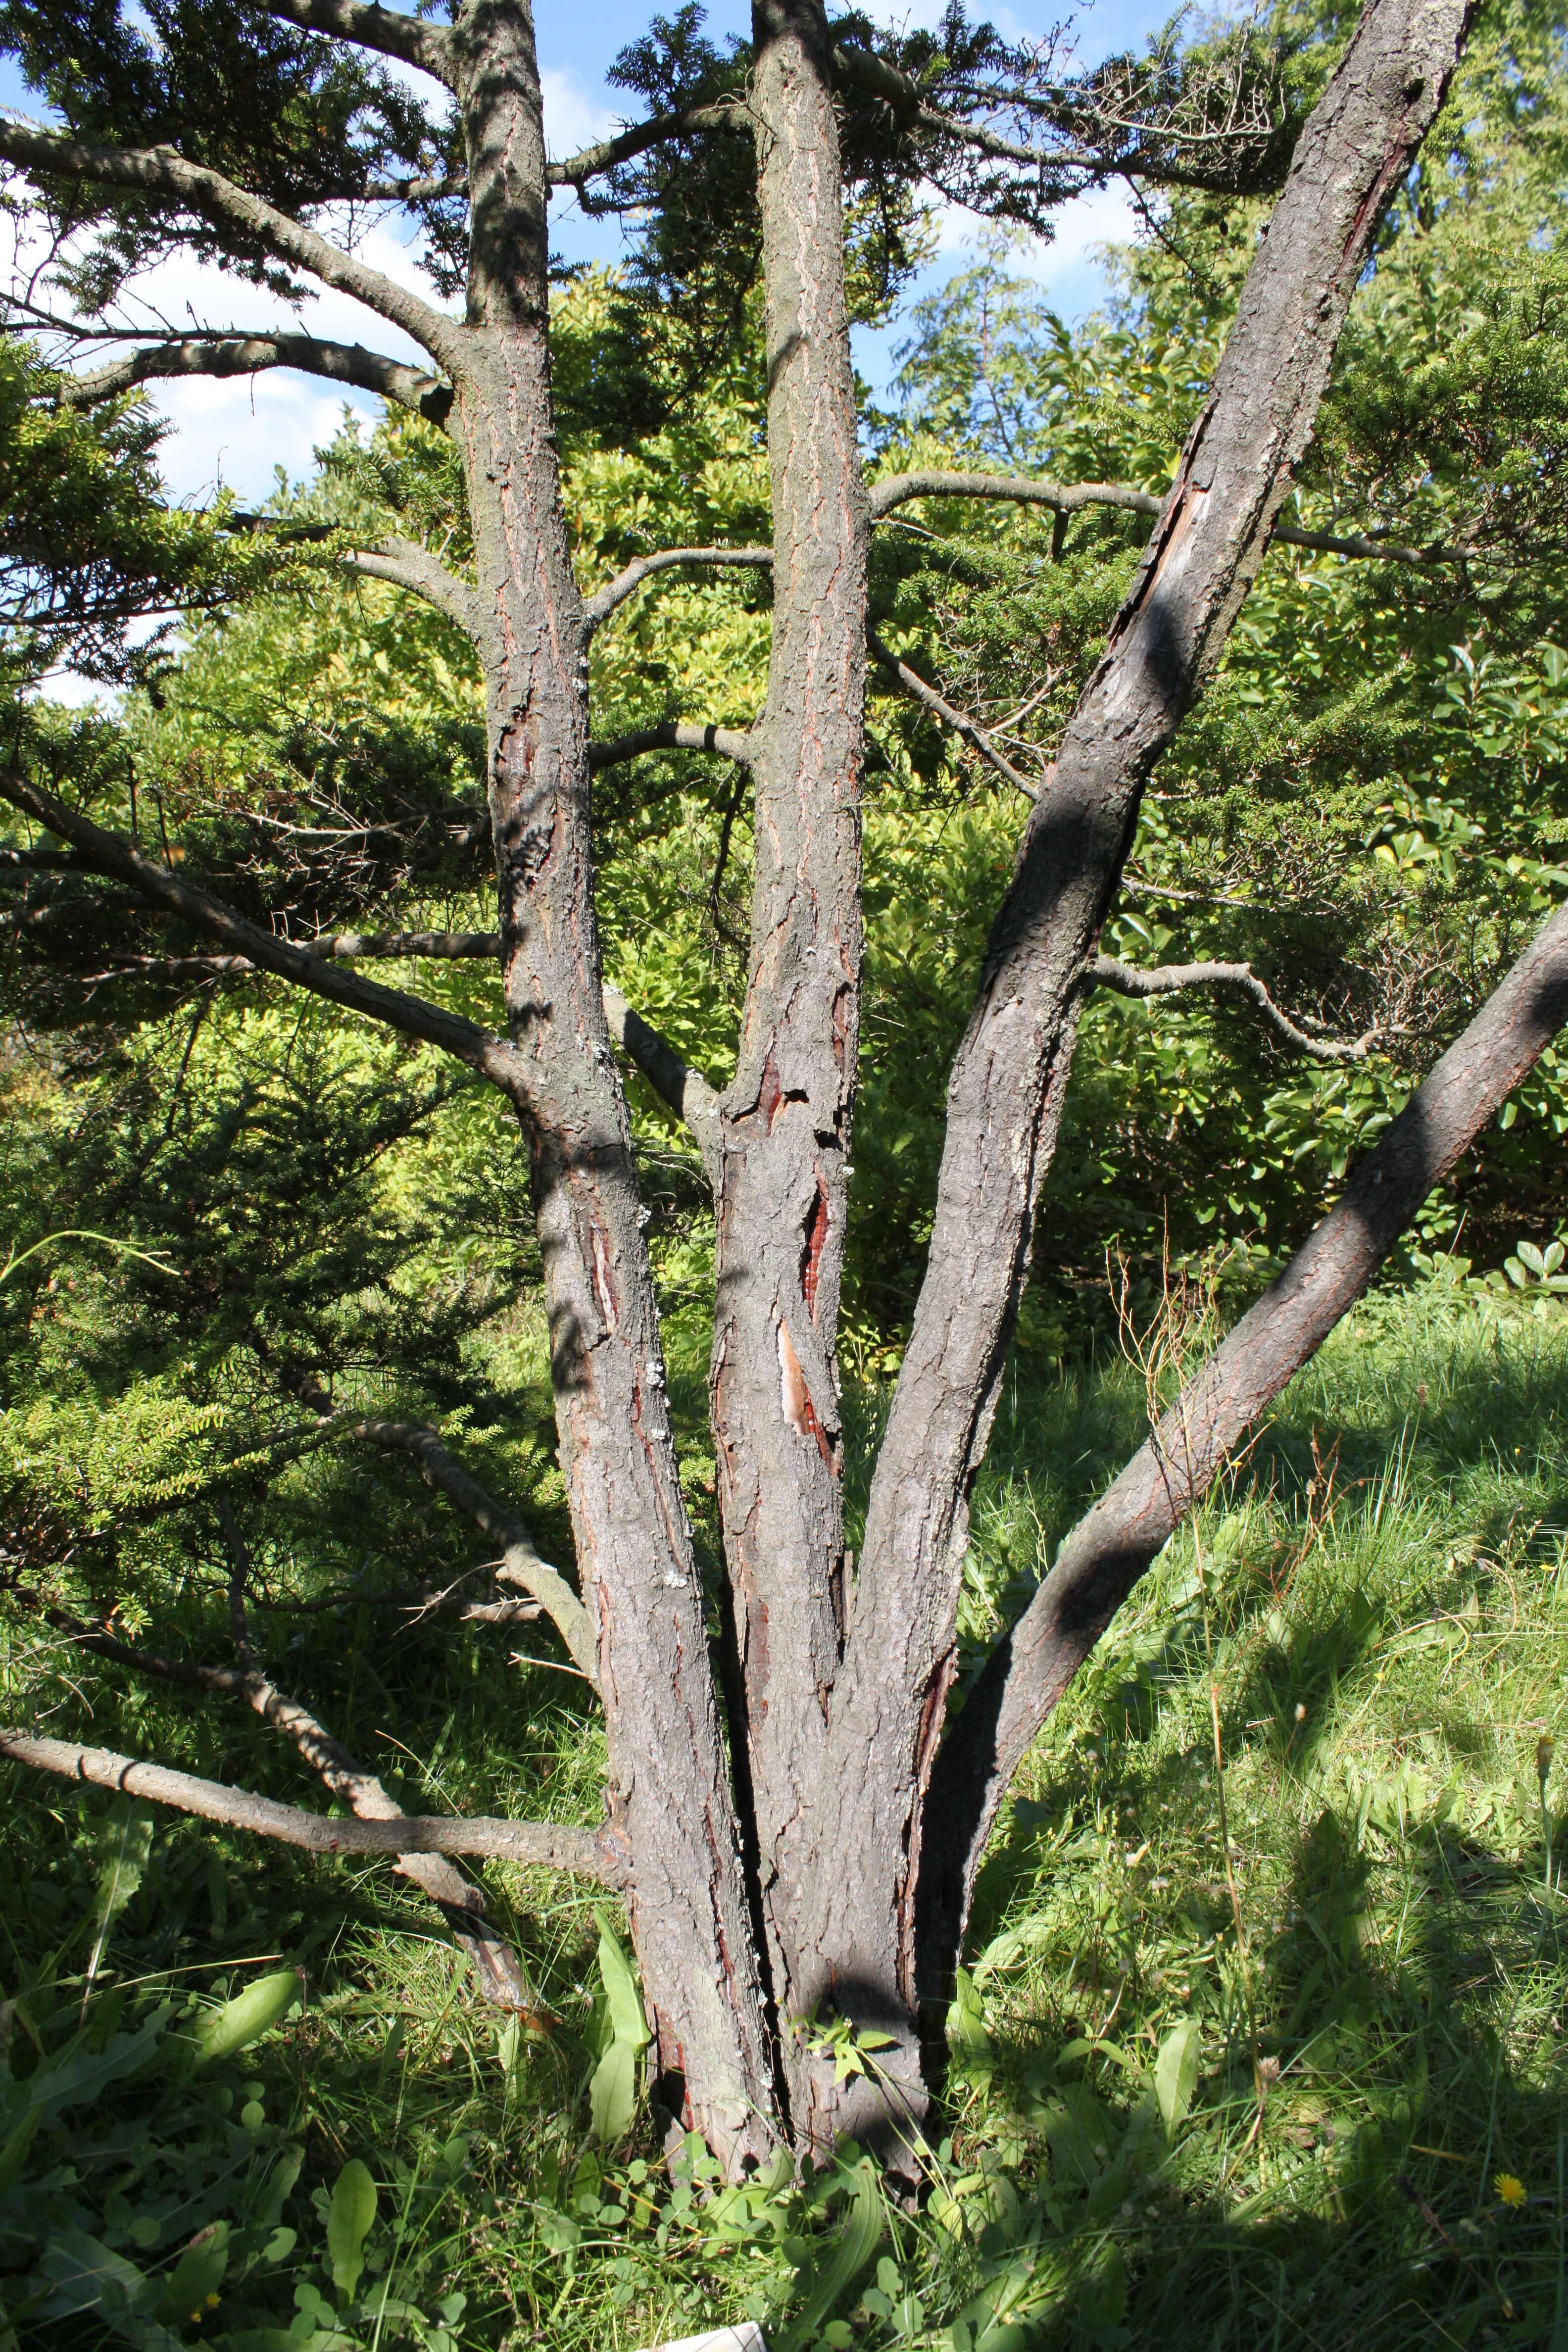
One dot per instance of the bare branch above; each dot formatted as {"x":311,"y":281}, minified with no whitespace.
{"x":461,"y":1905}
{"x":493,"y":1057}
{"x":672,"y":735}
{"x":394,"y":35}
{"x":1108,"y":1550}
{"x":600,"y":605}
{"x":898,"y":489}
{"x":1065,"y":497}
{"x":1166,"y":979}
{"x":1127,"y":151}
{"x":158,"y":172}
{"x":237,"y":354}
{"x":929,"y":700}
{"x":405,"y":564}
{"x":520,"y":1563}
{"x":416,"y":191}
{"x":725,"y":114}
{"x":686,"y":1091}
{"x":540,"y":1845}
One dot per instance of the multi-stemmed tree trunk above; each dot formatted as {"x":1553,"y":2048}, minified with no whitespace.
{"x":796,"y":1822}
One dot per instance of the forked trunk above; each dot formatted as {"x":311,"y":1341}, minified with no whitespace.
{"x":872,"y":1826}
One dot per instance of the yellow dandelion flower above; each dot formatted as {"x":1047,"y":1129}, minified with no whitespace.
{"x":1511,"y":2190}
{"x":213,"y":2302}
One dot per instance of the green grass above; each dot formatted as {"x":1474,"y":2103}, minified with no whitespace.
{"x":1380,"y":1611}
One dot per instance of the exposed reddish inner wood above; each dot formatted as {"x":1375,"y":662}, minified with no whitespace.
{"x":816,"y":1236}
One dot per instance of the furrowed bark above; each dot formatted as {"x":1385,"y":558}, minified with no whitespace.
{"x":1108,"y":1551}
{"x":786,"y":1118}
{"x":671,"y":1794}
{"x":1006,"y":1092}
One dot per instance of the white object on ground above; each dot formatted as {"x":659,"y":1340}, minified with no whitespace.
{"x":745,"y":2337}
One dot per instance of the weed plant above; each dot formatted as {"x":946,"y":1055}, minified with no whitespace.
{"x":1290,"y":2075}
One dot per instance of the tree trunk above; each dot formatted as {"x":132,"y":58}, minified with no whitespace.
{"x":816,"y":1853}
{"x":669,"y":1792}
{"x":1005,"y":1095}
{"x":786,"y":1118}
{"x":1108,"y":1550}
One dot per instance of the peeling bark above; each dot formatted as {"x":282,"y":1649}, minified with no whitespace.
{"x":669,"y":1788}
{"x":786,"y":1118}
{"x":820,"y":1856}
{"x":1009,"y":1077}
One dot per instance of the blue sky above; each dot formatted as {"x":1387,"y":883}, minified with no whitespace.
{"x":235,"y":433}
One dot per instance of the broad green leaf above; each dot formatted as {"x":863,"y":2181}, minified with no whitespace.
{"x":621,"y":1993}
{"x":84,"y":2274}
{"x":126,"y":1848}
{"x":828,"y":2272}
{"x":246,"y":2017}
{"x":612,"y":2093}
{"x":349,"y":2218}
{"x":75,"y":2076}
{"x":1176,"y":2072}
{"x":966,"y":2033}
{"x":197,"y":2274}
{"x":14,"y":2154}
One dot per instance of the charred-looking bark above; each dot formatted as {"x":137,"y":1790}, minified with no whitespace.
{"x":785,"y":1133}
{"x":1108,"y":1550}
{"x":669,"y":1789}
{"x":1012,"y":1068}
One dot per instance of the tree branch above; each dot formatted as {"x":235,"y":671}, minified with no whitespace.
{"x":236,"y":354}
{"x":879,"y":79}
{"x":1166,"y":979}
{"x":672,"y":735}
{"x":520,"y":1563}
{"x":493,"y":1057}
{"x":1065,"y":497}
{"x":686,"y":1091}
{"x":1109,"y":1549}
{"x":538,"y":1844}
{"x":929,"y":700}
{"x":370,"y":27}
{"x":725,"y":114}
{"x":405,"y":564}
{"x":604,"y":601}
{"x":158,"y":172}
{"x":461,"y":1905}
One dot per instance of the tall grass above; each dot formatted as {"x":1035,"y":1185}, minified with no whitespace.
{"x":1369,"y":2145}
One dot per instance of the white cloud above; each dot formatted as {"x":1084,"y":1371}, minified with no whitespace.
{"x":574,"y":117}
{"x":235,"y":431}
